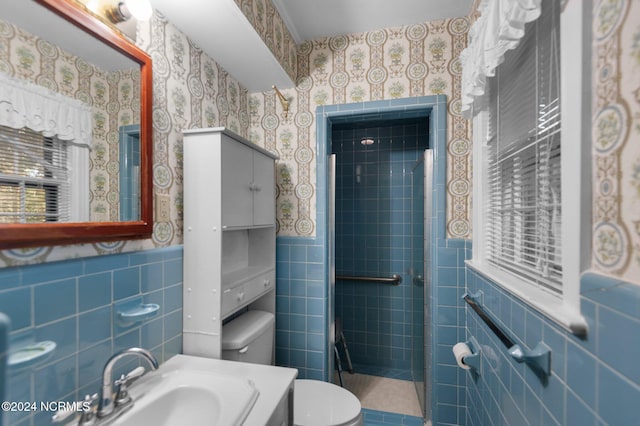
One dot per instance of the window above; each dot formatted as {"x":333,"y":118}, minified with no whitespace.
{"x":530,"y":161}
{"x":45,"y":139}
{"x":523,"y":192}
{"x":34,"y":177}
{"x":42,"y":178}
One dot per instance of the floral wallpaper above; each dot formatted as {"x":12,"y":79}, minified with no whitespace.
{"x":269,"y":25}
{"x":113,"y":96}
{"x":190,"y":90}
{"x":391,"y":63}
{"x":616,"y":138}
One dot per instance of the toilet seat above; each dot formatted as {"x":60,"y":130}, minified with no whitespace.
{"x":317,"y":403}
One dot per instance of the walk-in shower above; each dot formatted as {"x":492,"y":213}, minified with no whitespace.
{"x":379,"y":238}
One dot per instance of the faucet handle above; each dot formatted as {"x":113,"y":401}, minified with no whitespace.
{"x":61,"y":415}
{"x":133,"y":374}
{"x":88,"y":416}
{"x":86,"y":406}
{"x":122,"y":395}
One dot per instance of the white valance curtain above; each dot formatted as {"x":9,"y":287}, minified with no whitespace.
{"x":23,"y":104}
{"x":498,"y":29}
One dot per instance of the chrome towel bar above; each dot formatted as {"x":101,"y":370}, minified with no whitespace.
{"x":395,"y":279}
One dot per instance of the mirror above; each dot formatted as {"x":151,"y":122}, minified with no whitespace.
{"x":83,"y":93}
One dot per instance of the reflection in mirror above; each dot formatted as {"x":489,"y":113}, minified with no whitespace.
{"x":129,"y":145}
{"x":63,"y":106}
{"x":74,"y":127}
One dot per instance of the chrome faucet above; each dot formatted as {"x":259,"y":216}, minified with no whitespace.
{"x":106,"y":405}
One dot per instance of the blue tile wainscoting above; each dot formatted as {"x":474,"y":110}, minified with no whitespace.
{"x":73,"y":303}
{"x":301,"y":306}
{"x":449,"y":381}
{"x":382,"y":418}
{"x":595,"y":380}
{"x":301,"y":325}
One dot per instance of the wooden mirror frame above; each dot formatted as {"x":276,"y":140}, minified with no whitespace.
{"x":47,"y":234}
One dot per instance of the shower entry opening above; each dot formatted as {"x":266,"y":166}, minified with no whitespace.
{"x":379,"y":186}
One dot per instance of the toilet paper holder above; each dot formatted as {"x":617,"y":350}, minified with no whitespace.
{"x":472,"y":360}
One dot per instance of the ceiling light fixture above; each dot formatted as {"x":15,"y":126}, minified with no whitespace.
{"x":367,"y":141}
{"x":139,"y":9}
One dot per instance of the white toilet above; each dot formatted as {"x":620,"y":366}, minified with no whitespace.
{"x":317,"y":403}
{"x":249,"y":338}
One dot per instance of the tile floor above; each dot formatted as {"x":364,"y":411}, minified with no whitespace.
{"x":385,"y":401}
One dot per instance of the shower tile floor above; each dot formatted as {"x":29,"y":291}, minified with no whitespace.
{"x":386,"y":401}
{"x":383,"y":393}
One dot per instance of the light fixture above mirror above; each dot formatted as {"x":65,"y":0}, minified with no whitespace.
{"x":124,"y":10}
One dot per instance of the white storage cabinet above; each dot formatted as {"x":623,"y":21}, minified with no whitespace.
{"x":229,"y":234}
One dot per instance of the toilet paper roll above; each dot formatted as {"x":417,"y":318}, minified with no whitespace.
{"x":460,"y":350}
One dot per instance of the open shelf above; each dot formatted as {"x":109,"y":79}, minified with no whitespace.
{"x":246,"y":254}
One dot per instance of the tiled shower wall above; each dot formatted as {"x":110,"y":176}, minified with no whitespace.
{"x":373,"y":237}
{"x":74,"y":303}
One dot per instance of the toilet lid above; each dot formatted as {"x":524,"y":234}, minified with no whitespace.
{"x":317,"y":403}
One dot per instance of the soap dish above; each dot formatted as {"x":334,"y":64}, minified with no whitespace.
{"x":30,"y":354}
{"x":138,"y":313}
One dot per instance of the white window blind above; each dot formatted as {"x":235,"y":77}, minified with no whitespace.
{"x":523,"y":210}
{"x":34,"y":177}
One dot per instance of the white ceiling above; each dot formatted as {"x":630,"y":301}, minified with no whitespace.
{"x":221,"y":30}
{"x":311,"y":19}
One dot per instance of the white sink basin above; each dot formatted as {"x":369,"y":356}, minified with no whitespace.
{"x":188,"y":397}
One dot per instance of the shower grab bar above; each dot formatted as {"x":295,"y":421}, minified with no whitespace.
{"x":395,"y":279}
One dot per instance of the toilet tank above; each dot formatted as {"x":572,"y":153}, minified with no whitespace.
{"x":249,"y":338}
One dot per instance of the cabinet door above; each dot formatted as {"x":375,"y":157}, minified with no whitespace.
{"x":264,"y":194}
{"x":237,"y":181}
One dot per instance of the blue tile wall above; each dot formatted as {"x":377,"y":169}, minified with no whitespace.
{"x":301,"y":301}
{"x":73,"y":303}
{"x":594,"y":381}
{"x":382,"y":418}
{"x":447,"y":307}
{"x":373,"y":236}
